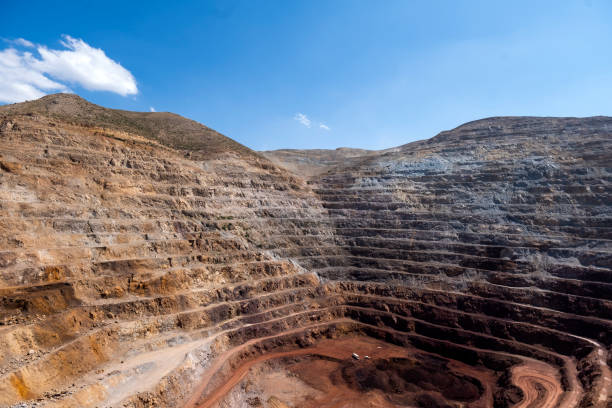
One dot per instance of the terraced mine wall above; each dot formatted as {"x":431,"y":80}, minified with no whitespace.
{"x":494,"y":237}
{"x":137,"y":271}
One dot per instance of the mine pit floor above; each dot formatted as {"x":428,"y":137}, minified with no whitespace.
{"x":327,"y":376}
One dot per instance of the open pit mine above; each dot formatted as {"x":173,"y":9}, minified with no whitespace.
{"x":149,"y":261}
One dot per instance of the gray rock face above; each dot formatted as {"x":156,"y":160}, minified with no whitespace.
{"x":505,"y":221}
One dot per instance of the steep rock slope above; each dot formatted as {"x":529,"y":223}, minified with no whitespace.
{"x":495,"y":235}
{"x":147,"y":260}
{"x":127,"y":265}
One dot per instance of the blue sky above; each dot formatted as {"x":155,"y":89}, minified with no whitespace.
{"x":317,"y":74}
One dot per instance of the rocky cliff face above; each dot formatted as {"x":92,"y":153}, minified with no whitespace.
{"x":147,"y":260}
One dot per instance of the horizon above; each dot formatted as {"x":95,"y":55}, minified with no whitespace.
{"x":331,"y":148}
{"x":316,"y":75}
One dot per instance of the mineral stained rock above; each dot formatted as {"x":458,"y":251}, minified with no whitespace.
{"x":149,"y":261}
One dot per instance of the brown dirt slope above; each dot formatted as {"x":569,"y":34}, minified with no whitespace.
{"x":314,"y":162}
{"x":166,"y":128}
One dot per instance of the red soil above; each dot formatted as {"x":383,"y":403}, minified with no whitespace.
{"x":342,"y":381}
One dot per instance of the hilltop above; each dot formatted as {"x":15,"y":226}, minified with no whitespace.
{"x":166,"y":128}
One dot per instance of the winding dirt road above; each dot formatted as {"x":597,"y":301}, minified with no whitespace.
{"x":196,"y":400}
{"x":539,"y":384}
{"x":336,"y":349}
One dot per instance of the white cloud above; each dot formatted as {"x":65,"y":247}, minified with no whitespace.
{"x":303,"y":119}
{"x":19,"y":81}
{"x":24,"y":76}
{"x":87,"y":66}
{"x":152,"y":109}
{"x":306,"y":121}
{"x":24,"y":43}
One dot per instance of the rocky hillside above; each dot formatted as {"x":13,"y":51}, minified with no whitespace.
{"x":148,"y":261}
{"x":495,"y":236}
{"x":314,"y":162}
{"x":166,"y":128}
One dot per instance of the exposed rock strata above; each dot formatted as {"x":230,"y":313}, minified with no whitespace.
{"x":146,"y":260}
{"x":495,"y":234}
